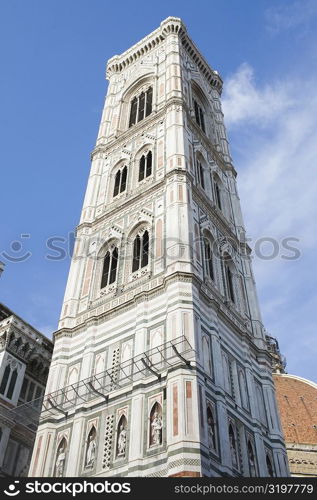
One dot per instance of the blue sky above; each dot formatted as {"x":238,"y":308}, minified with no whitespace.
{"x":53,"y":56}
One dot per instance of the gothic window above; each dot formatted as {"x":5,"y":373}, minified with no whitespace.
{"x":120,"y":182}
{"x":229,"y":282}
{"x":269,"y":466}
{"x":209,"y":260}
{"x":251,"y":460}
{"x":200,"y":174}
{"x":5,"y":379}
{"x":110,"y":264}
{"x":233,"y":446}
{"x":199,"y":116}
{"x":140,"y":251}
{"x":8,"y":382}
{"x":211,"y":429}
{"x":218,"y":196}
{"x":90,"y":455}
{"x":122,"y":437}
{"x":156,"y":425}
{"x":145,"y":166}
{"x":141,"y":106}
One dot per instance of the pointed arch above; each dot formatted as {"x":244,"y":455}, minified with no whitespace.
{"x":233,"y":446}
{"x":211,"y":425}
{"x":60,"y":458}
{"x":269,"y":466}
{"x":121,"y":445}
{"x":251,"y":459}
{"x":91,"y":444}
{"x":155,"y":425}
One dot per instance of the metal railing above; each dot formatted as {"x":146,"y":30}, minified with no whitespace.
{"x":122,"y":375}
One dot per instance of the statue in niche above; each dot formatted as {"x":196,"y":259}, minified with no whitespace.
{"x":60,"y":459}
{"x":122,"y":441}
{"x":233,"y":448}
{"x":91,"y":449}
{"x":211,"y":430}
{"x":251,"y":460}
{"x":156,"y":425}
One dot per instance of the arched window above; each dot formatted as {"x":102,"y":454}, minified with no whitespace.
{"x":251,"y":460}
{"x":199,"y":115}
{"x":140,"y":251}
{"x":200,"y":174}
{"x":5,"y":379}
{"x":110,"y":264}
{"x":8,"y":381}
{"x":145,"y":167}
{"x":229,"y":280}
{"x":218,"y":196}
{"x":209,"y":260}
{"x":12,"y":383}
{"x":269,"y":466}
{"x":233,"y":446}
{"x":211,"y":429}
{"x":141,"y":106}
{"x":120,"y":182}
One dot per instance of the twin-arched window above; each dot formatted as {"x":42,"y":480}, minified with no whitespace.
{"x":145,"y":169}
{"x":140,"y":251}
{"x":120,"y":183}
{"x":109,"y":271}
{"x":141,"y":106}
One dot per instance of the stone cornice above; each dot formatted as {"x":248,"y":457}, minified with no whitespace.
{"x":174,"y":26}
{"x":232,"y":317}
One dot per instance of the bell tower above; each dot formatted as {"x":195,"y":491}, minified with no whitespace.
{"x":160,"y":365}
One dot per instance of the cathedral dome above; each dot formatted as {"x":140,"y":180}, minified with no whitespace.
{"x":297,"y":402}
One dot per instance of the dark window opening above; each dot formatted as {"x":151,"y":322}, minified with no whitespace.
{"x":229,"y":277}
{"x":13,"y":380}
{"x":209,"y":262}
{"x":134,"y":107}
{"x":136,"y":253}
{"x":149,"y":96}
{"x":141,"y":107}
{"x":140,"y":251}
{"x":218,"y":196}
{"x":109,"y":272}
{"x":145,"y":169}
{"x":5,"y":378}
{"x":199,"y":116}
{"x":114,"y":263}
{"x":120,"y":182}
{"x":123,"y":179}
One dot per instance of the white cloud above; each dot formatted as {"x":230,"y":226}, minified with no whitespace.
{"x":273,"y":130}
{"x":289,"y":15}
{"x":243,"y":101}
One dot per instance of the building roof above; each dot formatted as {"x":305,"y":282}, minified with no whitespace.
{"x":297,"y":402}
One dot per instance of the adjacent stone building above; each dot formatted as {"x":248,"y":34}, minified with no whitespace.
{"x":160,"y":365}
{"x":25,"y":356}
